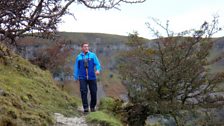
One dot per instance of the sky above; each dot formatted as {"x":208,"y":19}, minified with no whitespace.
{"x":182,"y":15}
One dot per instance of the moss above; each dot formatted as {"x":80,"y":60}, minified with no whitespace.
{"x":111,"y":105}
{"x":107,"y":103}
{"x":108,"y":114}
{"x":29,"y":95}
{"x":102,"y":118}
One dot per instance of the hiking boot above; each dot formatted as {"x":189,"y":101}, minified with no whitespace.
{"x":86,"y":110}
{"x":92,"y":109}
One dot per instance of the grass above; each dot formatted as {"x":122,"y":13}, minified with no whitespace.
{"x":29,"y":96}
{"x":107,"y":104}
{"x":103,"y":119}
{"x":106,"y":114}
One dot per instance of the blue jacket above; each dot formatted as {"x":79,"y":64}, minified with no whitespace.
{"x":80,"y":70}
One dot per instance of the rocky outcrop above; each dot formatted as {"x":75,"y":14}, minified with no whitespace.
{"x":216,"y":98}
{"x":199,"y":117}
{"x":160,"y":120}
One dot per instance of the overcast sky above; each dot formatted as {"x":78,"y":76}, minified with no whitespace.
{"x":182,"y":14}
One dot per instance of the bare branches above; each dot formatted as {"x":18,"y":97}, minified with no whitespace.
{"x":206,"y":30}
{"x":19,"y":17}
{"x":107,"y":4}
{"x":158,"y":23}
{"x":27,"y":16}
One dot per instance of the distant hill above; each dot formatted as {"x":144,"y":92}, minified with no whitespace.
{"x":28,"y":95}
{"x":93,"y":37}
{"x":75,"y":38}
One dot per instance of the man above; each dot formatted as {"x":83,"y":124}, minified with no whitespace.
{"x":86,"y":67}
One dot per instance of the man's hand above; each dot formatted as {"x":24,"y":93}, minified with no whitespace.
{"x":97,"y":72}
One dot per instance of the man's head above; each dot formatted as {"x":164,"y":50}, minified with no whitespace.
{"x":85,"y":47}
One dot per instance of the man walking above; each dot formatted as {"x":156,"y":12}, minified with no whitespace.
{"x":86,"y":67}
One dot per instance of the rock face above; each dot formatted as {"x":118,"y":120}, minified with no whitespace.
{"x":160,"y":120}
{"x":218,"y":48}
{"x":219,"y":44}
{"x":105,"y":46}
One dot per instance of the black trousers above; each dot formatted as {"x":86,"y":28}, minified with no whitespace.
{"x":84,"y":84}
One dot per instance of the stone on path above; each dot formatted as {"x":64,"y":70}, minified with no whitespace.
{"x":61,"y":120}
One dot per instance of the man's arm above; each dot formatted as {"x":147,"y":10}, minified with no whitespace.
{"x":76,"y":69}
{"x":97,"y":64}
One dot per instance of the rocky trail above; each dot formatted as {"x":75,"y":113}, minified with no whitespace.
{"x":61,"y":120}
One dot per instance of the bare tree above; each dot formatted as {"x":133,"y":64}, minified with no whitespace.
{"x":19,"y":17}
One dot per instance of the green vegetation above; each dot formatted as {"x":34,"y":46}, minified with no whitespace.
{"x":108,"y":113}
{"x":172,"y":74}
{"x":28,"y":95}
{"x":107,"y":103}
{"x":102,"y":118}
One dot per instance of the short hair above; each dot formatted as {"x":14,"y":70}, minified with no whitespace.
{"x":85,"y":42}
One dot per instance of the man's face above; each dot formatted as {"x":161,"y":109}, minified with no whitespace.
{"x":85,"y":48}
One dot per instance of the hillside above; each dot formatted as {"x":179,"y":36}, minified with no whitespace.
{"x":28,"y":95}
{"x":74,"y":38}
{"x":107,"y":47}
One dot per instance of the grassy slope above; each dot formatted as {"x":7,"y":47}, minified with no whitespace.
{"x":28,"y":95}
